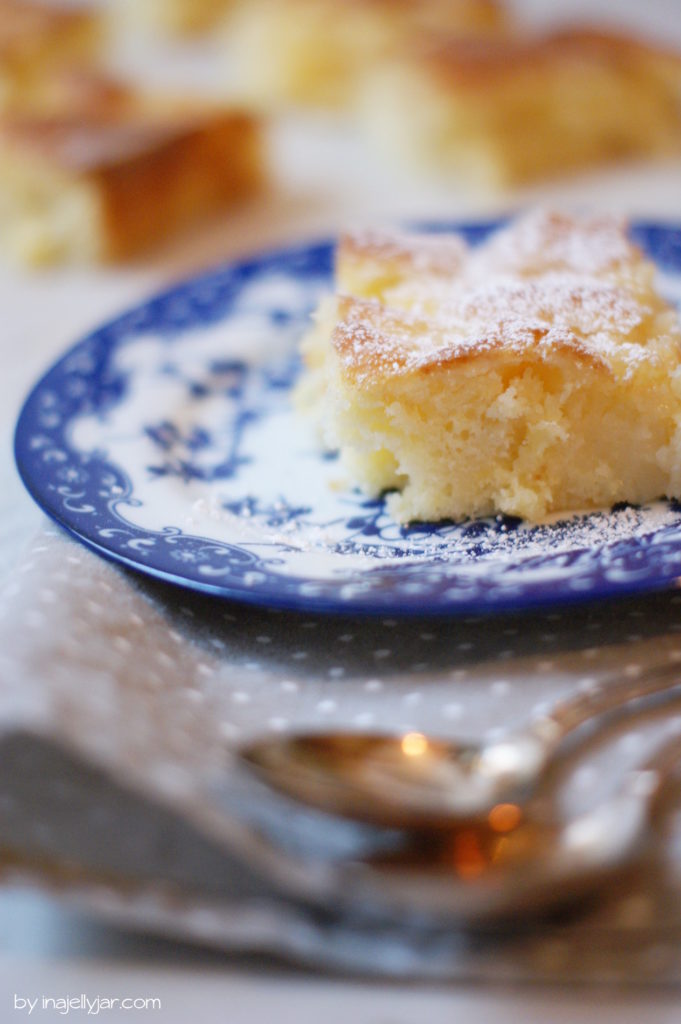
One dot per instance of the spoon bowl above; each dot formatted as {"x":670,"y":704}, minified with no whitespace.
{"x":409,"y":781}
{"x":519,"y":862}
{"x":413,"y":781}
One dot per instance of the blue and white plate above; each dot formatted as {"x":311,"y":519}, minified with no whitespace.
{"x":166,"y":440}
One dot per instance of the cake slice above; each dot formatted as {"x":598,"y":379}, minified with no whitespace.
{"x":36,"y":39}
{"x":316,"y":52}
{"x":104,"y":173}
{"x":539,"y":372}
{"x":506,"y":111}
{"x":171,"y":17}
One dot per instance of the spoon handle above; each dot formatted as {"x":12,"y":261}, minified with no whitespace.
{"x":604,"y":698}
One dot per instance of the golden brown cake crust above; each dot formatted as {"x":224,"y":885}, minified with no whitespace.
{"x":152,"y":165}
{"x":411,"y":254}
{"x":202,"y":167}
{"x":458,"y":13}
{"x":174,"y":17}
{"x":76,"y":91}
{"x":87,"y":142}
{"x":479,"y":62}
{"x":319,"y":52}
{"x":549,"y":284}
{"x":27,"y":28}
{"x":24,"y":24}
{"x":375,"y":343}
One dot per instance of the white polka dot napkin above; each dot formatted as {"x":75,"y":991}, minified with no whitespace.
{"x":122,"y":699}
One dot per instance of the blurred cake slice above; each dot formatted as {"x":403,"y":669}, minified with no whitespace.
{"x":512,"y":110}
{"x":171,"y":17}
{"x":315,"y":52}
{"x":537,"y":373}
{"x":37,"y":38}
{"x":104,"y":172}
{"x":79,"y":91}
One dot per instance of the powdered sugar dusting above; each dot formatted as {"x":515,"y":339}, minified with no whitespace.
{"x":413,"y":253}
{"x":544,"y":240}
{"x":469,"y":547}
{"x":573,"y":300}
{"x":601,"y":529}
{"x":548,"y":281}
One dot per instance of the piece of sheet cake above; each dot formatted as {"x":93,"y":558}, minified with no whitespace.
{"x":506,"y":111}
{"x":37,"y":38}
{"x":539,"y":372}
{"x":101,"y":172}
{"x":316,"y":52}
{"x":170,"y":17}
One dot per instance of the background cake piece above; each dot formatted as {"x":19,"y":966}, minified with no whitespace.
{"x":38,"y":38}
{"x":80,"y":91}
{"x":542,"y":375}
{"x":508,"y":111}
{"x":109,"y":172}
{"x":172,"y":17}
{"x":315,"y":52}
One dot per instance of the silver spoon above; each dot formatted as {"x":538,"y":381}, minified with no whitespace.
{"x":518,"y":861}
{"x":413,"y":781}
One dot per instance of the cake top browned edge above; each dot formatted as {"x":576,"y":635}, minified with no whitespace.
{"x":96,"y":122}
{"x":374,"y":343}
{"x":581,"y":262}
{"x":26,"y":26}
{"x":477,"y":62}
{"x":410,"y":252}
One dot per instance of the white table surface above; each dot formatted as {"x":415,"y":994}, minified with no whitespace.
{"x":325,"y":181}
